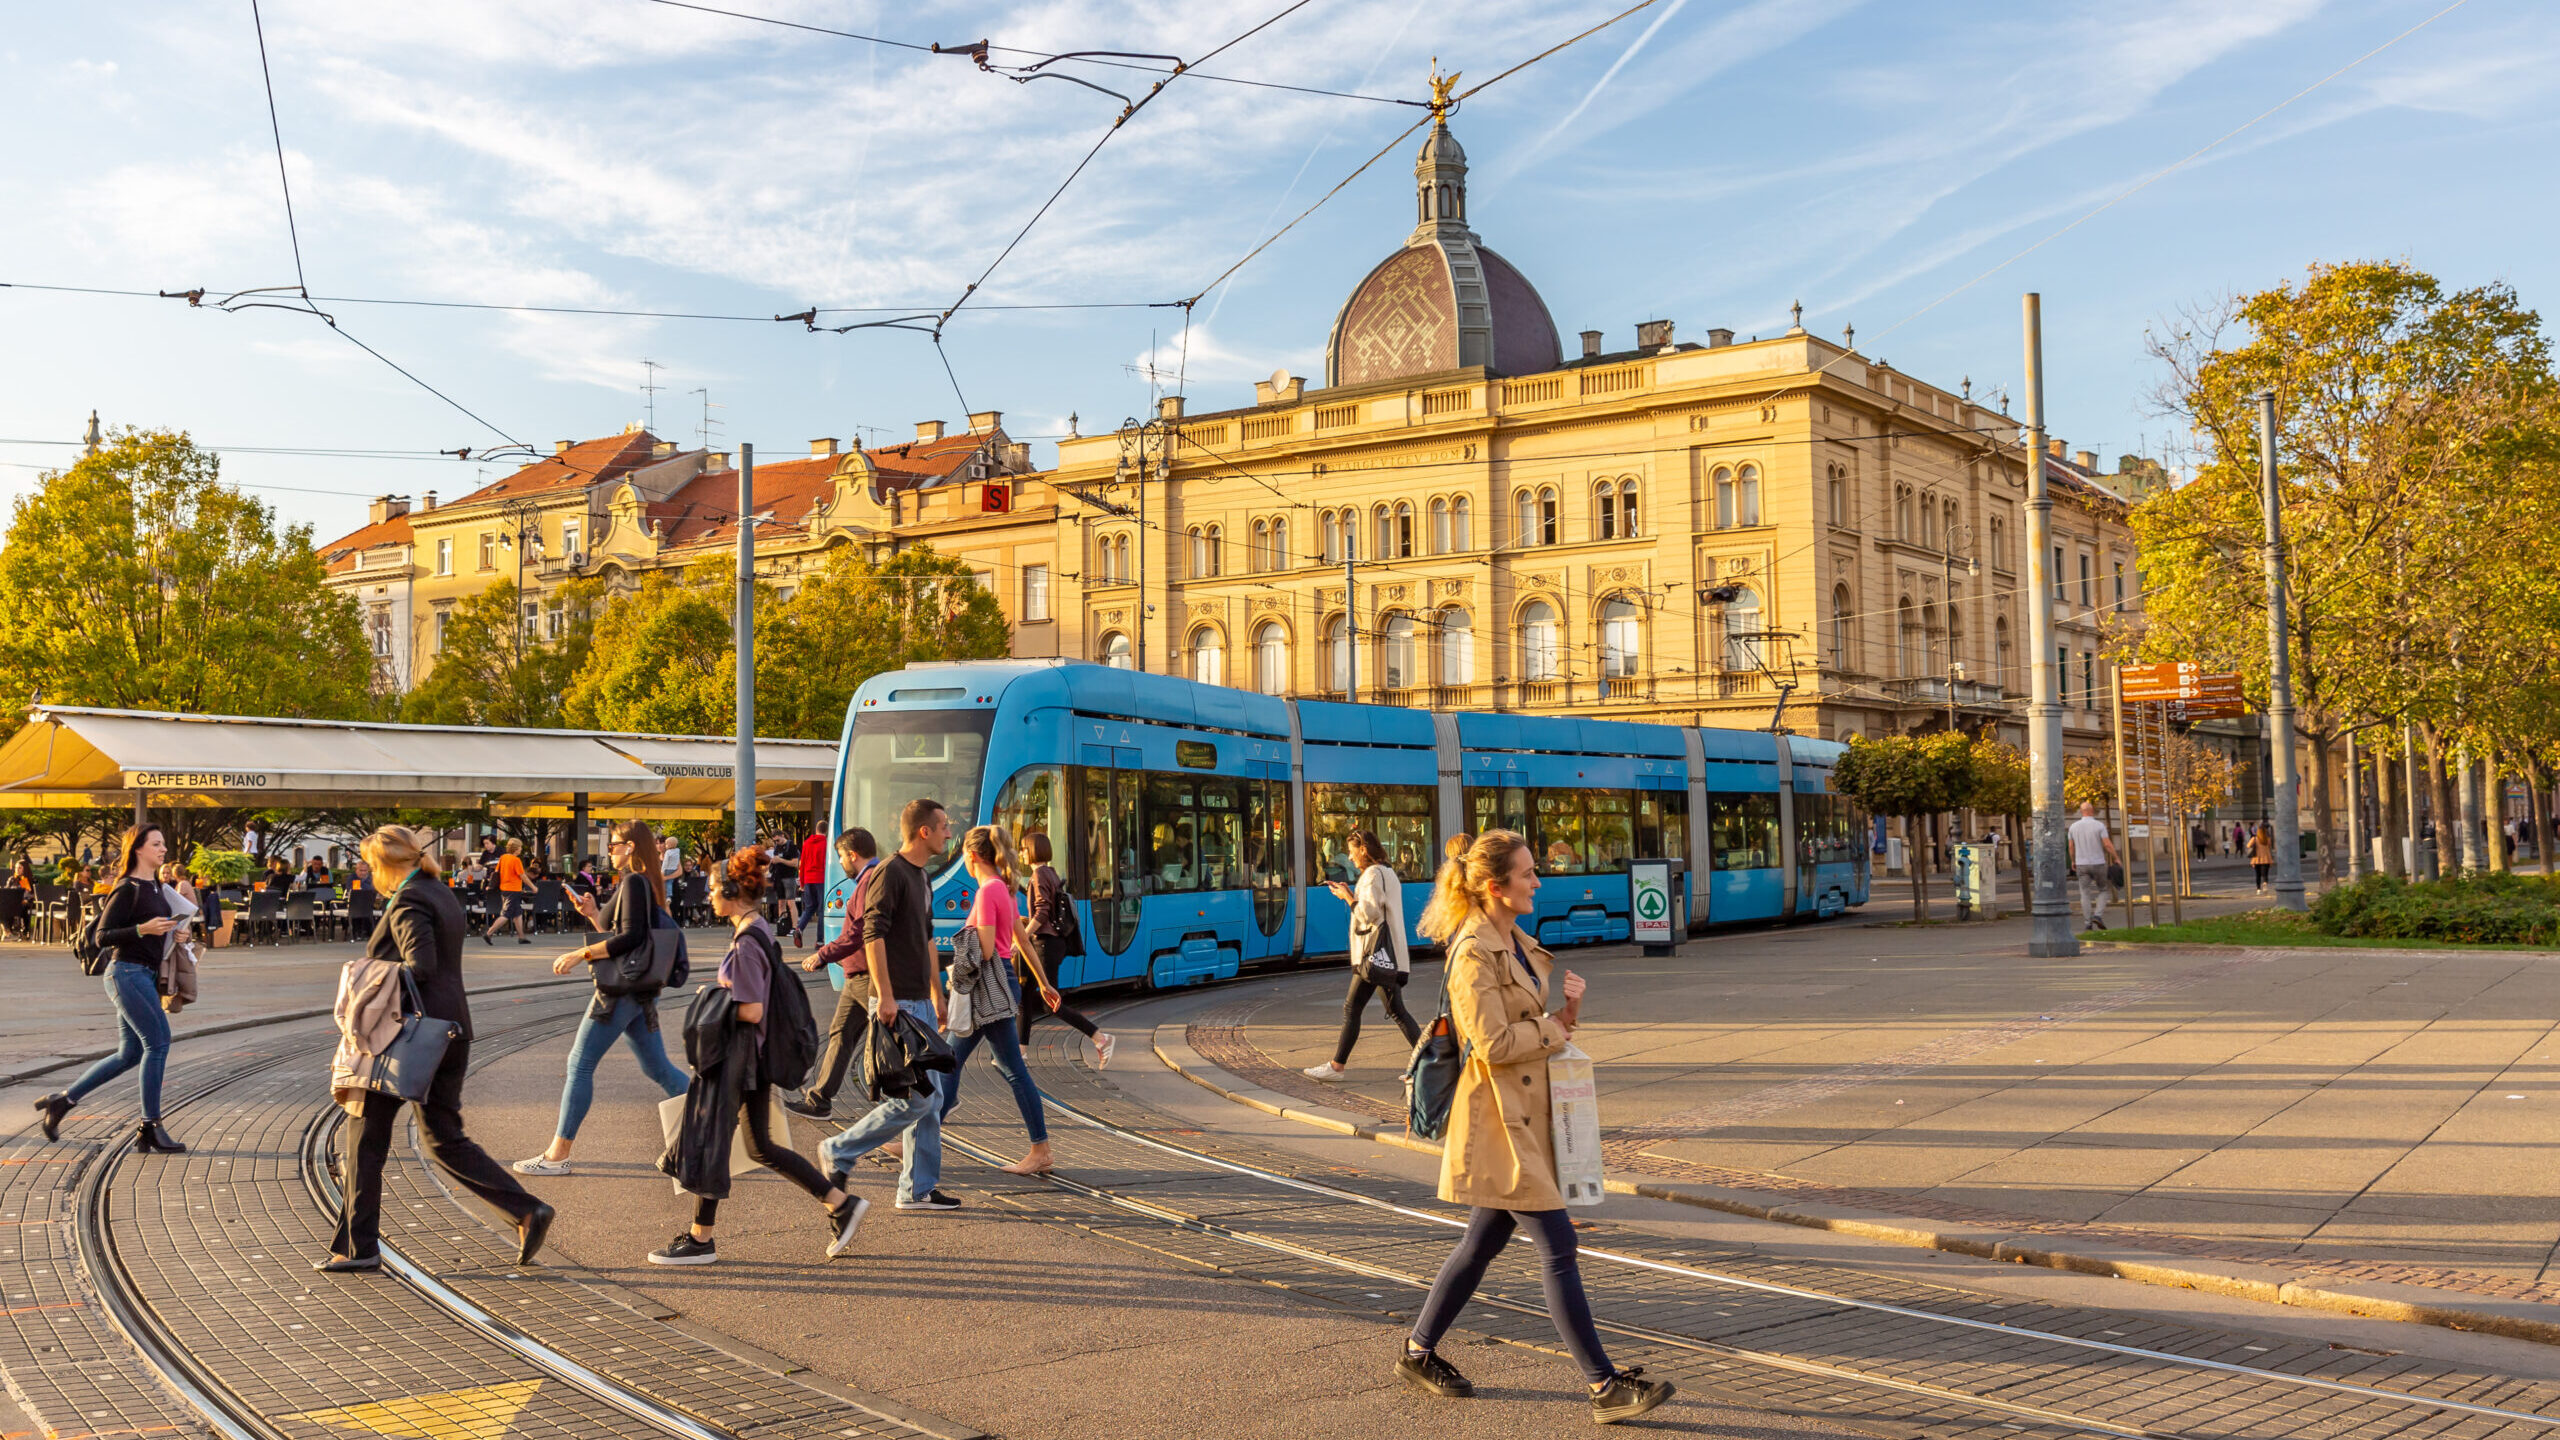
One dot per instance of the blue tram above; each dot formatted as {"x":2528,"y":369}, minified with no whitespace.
{"x":1195,"y":825}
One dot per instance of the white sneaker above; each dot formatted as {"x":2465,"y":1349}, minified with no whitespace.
{"x":542,"y":1165}
{"x":1326,"y":1073}
{"x":846,"y":1219}
{"x":1103,"y":1045}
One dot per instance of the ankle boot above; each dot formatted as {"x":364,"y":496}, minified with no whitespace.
{"x":153,"y":1139}
{"x":49,"y":1112}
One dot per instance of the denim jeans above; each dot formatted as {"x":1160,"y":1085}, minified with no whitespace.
{"x":142,"y":1030}
{"x":918,"y":1117}
{"x":1006,"y":1037}
{"x":628,"y":1023}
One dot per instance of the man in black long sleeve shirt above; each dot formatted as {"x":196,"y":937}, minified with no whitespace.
{"x":897,"y":932}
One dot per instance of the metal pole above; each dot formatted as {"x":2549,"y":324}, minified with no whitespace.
{"x":2287,"y":804}
{"x":2124,"y":796}
{"x":2409,"y":790}
{"x":1350,"y":619}
{"x":743,"y":634}
{"x":2049,"y":908}
{"x":578,"y":820}
{"x":2359,"y":854}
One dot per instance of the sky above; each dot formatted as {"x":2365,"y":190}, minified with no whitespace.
{"x":1906,"y":169}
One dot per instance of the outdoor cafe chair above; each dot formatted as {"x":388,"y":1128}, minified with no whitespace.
{"x":359,"y":914}
{"x":298,"y":914}
{"x":265,"y":906}
{"x":546,"y":905}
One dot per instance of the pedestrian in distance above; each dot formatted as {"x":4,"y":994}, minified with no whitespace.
{"x":996,"y":1001}
{"x":813,"y":885}
{"x":749,"y":972}
{"x":1498,"y":1158}
{"x":1052,"y":936}
{"x":639,"y":899}
{"x":422,"y":929}
{"x":897,"y":944}
{"x":2091,"y":853}
{"x":859,"y":854}
{"x":2262,"y":853}
{"x":782,"y":869}
{"x":1380,"y":963}
{"x":134,"y":930}
{"x":511,"y":886}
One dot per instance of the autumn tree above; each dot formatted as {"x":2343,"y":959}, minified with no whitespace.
{"x":2003,"y":786}
{"x":1910,"y":776}
{"x":497,"y":667}
{"x":137,"y":580}
{"x":663,"y":659}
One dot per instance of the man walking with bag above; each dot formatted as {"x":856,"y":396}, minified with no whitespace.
{"x":860,"y":853}
{"x":2092,"y":853}
{"x":897,"y":941}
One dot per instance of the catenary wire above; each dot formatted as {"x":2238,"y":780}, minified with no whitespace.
{"x":275,"y":127}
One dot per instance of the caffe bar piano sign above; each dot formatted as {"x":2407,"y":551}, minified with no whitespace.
{"x":201,"y":780}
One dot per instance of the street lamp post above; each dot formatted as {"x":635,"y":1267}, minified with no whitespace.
{"x":2049,"y":908}
{"x":2286,"y":809}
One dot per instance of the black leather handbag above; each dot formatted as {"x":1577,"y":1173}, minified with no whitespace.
{"x":407,"y":1066}
{"x":1431,"y":1075}
{"x":646,"y":971}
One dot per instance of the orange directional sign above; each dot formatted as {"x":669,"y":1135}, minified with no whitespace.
{"x":2209,"y":709}
{"x":2178,"y":680}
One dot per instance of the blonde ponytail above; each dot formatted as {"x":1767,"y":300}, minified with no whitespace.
{"x":1457,"y":893}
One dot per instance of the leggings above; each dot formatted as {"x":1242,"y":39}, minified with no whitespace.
{"x":1362,"y":987}
{"x":782,"y":1160}
{"x":2262,"y":874}
{"x":1559,"y":1270}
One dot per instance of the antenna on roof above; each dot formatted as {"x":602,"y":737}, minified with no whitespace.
{"x":708,"y":424}
{"x":650,"y":387}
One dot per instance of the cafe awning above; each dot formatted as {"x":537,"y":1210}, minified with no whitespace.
{"x":70,"y":757}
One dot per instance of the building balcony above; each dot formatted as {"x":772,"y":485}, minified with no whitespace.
{"x":1933,"y":690}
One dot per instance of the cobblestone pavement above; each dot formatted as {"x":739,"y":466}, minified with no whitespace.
{"x":2359,"y":1114}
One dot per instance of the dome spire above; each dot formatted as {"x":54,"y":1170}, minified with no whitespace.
{"x":1440,"y":172}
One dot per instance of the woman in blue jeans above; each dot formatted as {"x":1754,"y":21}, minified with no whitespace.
{"x":638,"y":898}
{"x":989,"y":857}
{"x":135,"y":931}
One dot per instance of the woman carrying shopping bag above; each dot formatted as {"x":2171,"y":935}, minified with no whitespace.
{"x":1379,"y":960}
{"x":1497,"y":1155}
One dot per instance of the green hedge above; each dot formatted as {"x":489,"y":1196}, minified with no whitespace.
{"x":2478,"y":909}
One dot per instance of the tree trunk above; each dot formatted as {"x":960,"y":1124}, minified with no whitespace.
{"x":2324,"y":812}
{"x":2493,"y":802}
{"x":2391,"y":788}
{"x":2467,"y":783}
{"x":1917,"y":865}
{"x":2441,"y":800}
{"x":2538,"y":804}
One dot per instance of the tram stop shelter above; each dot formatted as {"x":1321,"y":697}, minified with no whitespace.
{"x":72,"y":757}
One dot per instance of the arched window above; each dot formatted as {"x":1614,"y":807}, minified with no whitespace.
{"x":1208,"y":656}
{"x":2000,"y":638}
{"x":1955,"y":633}
{"x":1271,"y":659}
{"x":1836,"y":486}
{"x":1258,"y":554}
{"x":1396,"y":653}
{"x":1337,"y":650}
{"x":1461,"y":528}
{"x":1281,"y":559}
{"x":1547,"y":515}
{"x":1217,"y":539}
{"x":1928,"y":519}
{"x":1621,"y":639}
{"x":1439,"y":525}
{"x":1842,"y":618}
{"x":1742,"y":631}
{"x":1627,"y":509}
{"x":1724,"y":499}
{"x":1902,"y":512}
{"x":1115,"y":650}
{"x":1332,"y":538}
{"x":1524,"y":519}
{"x":1604,"y":511}
{"x":1950,"y":522}
{"x":1383,"y":532}
{"x":1538,"y":647}
{"x":1999,"y":544}
{"x":1404,"y":531}
{"x":1457,"y":647}
{"x":1905,"y":657}
{"x":1199,"y":554}
{"x":1122,"y":571}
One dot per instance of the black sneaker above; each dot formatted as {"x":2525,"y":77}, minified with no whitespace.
{"x":842,"y":1221}
{"x":685,"y":1250}
{"x":1628,"y":1397}
{"x":524,"y":939}
{"x":935,"y":1201}
{"x":814,"y":1109}
{"x":1430,"y":1372}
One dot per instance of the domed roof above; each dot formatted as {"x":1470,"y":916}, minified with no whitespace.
{"x":1444,"y":301}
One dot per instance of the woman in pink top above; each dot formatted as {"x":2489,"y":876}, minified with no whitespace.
{"x":989,"y":856}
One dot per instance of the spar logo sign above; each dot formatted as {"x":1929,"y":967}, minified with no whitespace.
{"x":1649,"y":896}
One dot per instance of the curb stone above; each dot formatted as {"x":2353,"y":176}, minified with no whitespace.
{"x":2265,"y":1284}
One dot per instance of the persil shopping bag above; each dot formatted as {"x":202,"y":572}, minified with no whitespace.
{"x":1573,"y":1092}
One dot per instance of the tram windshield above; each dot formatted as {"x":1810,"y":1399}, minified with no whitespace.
{"x":898,"y":756}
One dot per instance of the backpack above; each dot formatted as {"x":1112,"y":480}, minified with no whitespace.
{"x":89,"y":945}
{"x":790,"y":1028}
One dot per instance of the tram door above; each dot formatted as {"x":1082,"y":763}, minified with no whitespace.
{"x":1113,"y":884}
{"x":1268,"y":855}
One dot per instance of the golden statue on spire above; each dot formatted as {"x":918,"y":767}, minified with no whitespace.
{"x":1441,"y":85}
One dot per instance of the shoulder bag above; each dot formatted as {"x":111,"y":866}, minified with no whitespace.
{"x":1061,"y":937}
{"x":407,"y":1066}
{"x":1439,"y":1059}
{"x":655,"y":966}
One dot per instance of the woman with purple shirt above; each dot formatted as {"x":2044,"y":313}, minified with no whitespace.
{"x":746,"y":972}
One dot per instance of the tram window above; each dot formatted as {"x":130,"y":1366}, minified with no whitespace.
{"x":1583,"y":831}
{"x":1033,"y":802}
{"x":897,"y":756}
{"x":1745,"y":831}
{"x":1194,"y":838}
{"x":1559,"y":834}
{"x":1100,"y":864}
{"x":1401,"y":816}
{"x":1662,"y":824}
{"x":1497,"y":808}
{"x":1266,"y":850}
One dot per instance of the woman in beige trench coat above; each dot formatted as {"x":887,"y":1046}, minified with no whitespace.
{"x":1498,"y":1157}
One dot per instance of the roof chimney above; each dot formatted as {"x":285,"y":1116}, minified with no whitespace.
{"x":714,"y":461}
{"x":662,"y":450}
{"x":1718,"y":339}
{"x":386,"y":507}
{"x":2053,"y":447}
{"x":429,"y":503}
{"x":1590,"y":343}
{"x":825,"y":445}
{"x":1169,"y":407}
{"x":928,"y":429}
{"x":561,"y":447}
{"x":983,"y":422}
{"x":1653,"y":334}
{"x":2085,"y":459}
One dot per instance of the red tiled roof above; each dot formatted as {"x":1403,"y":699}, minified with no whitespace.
{"x":340,"y":554}
{"x":583,"y":463}
{"x":921,"y":462}
{"x":705,"y":510}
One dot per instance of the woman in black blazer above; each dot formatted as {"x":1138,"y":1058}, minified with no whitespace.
{"x":135,"y":931}
{"x":422,"y":928}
